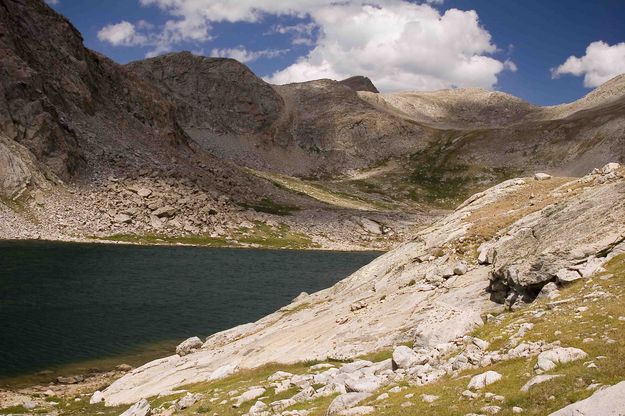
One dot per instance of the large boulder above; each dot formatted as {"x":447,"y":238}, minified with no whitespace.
{"x":404,"y":357}
{"x":141,"y":408}
{"x":605,"y":402}
{"x":482,"y":380}
{"x":188,"y":346}
{"x":345,"y":401}
{"x":548,"y":360}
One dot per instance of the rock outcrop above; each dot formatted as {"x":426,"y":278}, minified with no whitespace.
{"x":404,"y":292}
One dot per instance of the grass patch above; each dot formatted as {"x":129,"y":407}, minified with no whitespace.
{"x":261,"y":235}
{"x":268,"y":206}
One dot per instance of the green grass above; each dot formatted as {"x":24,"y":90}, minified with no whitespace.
{"x":261,"y":235}
{"x":268,"y":206}
{"x":317,"y":191}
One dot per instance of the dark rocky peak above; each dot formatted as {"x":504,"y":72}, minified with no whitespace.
{"x":360,"y":83}
{"x":220,"y":95}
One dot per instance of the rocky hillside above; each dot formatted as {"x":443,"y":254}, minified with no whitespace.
{"x":509,"y":304}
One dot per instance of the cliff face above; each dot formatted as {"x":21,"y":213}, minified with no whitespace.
{"x":72,"y":108}
{"x":218,"y":95}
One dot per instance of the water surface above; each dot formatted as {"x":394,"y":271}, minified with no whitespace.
{"x":67,"y":303}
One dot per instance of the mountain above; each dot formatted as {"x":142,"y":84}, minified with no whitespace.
{"x":79,"y":130}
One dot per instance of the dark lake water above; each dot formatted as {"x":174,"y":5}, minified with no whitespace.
{"x":70,"y":303}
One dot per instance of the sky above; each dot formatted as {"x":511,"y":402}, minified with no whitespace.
{"x":546,"y":52}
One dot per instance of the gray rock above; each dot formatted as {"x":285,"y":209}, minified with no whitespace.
{"x":144,"y":192}
{"x":122,"y":219}
{"x":567,"y":276}
{"x":482,"y":380}
{"x":187,"y":401}
{"x":365,"y":384}
{"x":345,"y":401}
{"x":537,"y":380}
{"x":542,"y":176}
{"x":404,"y":357}
{"x":165,"y":212}
{"x":460,"y":268}
{"x":548,"y":360}
{"x":605,"y":402}
{"x":96,"y":397}
{"x":357,"y":411}
{"x":188,"y":346}
{"x":141,"y":408}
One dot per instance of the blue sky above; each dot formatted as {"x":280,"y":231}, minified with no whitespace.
{"x":511,"y":46}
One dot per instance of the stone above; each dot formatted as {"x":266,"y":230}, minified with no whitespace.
{"x":345,"y":401}
{"x":610,"y":168}
{"x":481,"y":344}
{"x":123,"y":367}
{"x":141,"y":408}
{"x":482,"y":380}
{"x":357,"y":411}
{"x":549,"y":291}
{"x":609,"y":401}
{"x":383,"y":396}
{"x":188,"y":346}
{"x":96,"y":397}
{"x":355,"y":366}
{"x":279,"y":375}
{"x":491,"y":409}
{"x":429,"y":398}
{"x":122,"y":219}
{"x":67,"y":380}
{"x":366,"y":384}
{"x":548,"y":360}
{"x":144,"y":192}
{"x":165,"y":212}
{"x":460,"y":268}
{"x":542,"y":176}
{"x":361,"y":304}
{"x":404,"y":357}
{"x":517,"y":410}
{"x":257,"y":408}
{"x":537,"y":380}
{"x":187,"y":401}
{"x":567,"y":276}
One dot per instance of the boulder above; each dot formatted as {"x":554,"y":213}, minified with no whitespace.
{"x":188,"y":346}
{"x":548,"y":360}
{"x":144,"y":192}
{"x":549,"y":291}
{"x":609,"y":401}
{"x":357,"y":411}
{"x":567,"y":276}
{"x":404,"y":357}
{"x":96,"y":397}
{"x":537,"y":380}
{"x":542,"y":176}
{"x":141,"y":408}
{"x":187,"y":401}
{"x":249,"y":395}
{"x":122,"y":219}
{"x":610,"y":168}
{"x":482,"y":380}
{"x":165,"y":212}
{"x":460,"y":268}
{"x":345,"y":401}
{"x":365,"y":384}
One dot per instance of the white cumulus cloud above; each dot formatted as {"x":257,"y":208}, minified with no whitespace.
{"x":243,"y":55}
{"x":400,"y":46}
{"x":601,"y":63}
{"x":397,"y":43}
{"x":122,"y":33}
